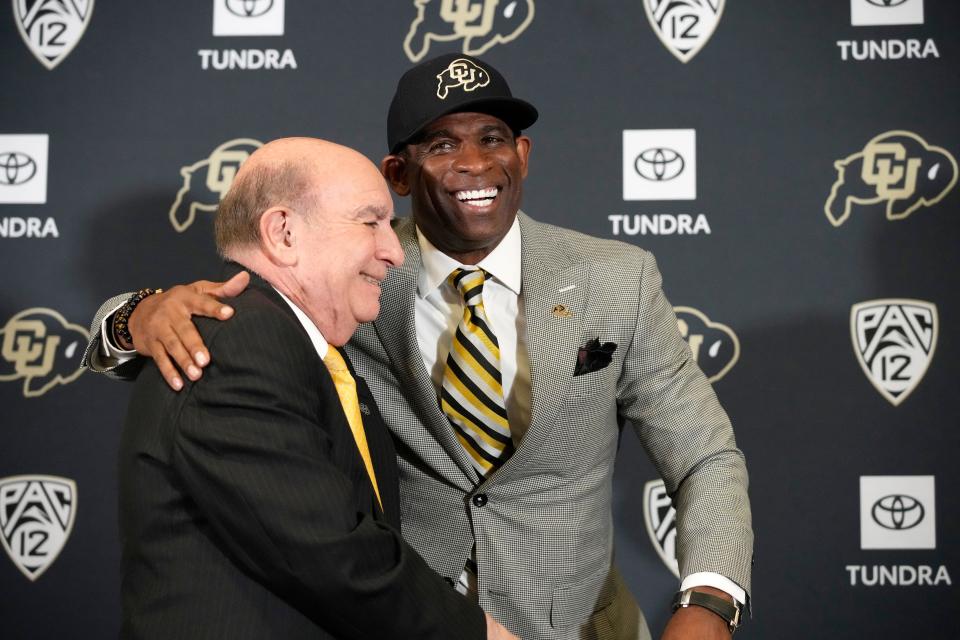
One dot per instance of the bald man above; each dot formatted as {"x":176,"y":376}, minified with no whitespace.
{"x":262,"y":502}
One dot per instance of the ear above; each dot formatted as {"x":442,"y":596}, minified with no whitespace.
{"x":277,"y":236}
{"x":394,"y":169}
{"x":524,"y":145}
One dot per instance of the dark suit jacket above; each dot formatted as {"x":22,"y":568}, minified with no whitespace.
{"x":246,"y":510}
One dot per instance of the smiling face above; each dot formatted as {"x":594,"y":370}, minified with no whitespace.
{"x":346,"y":247}
{"x":465,"y":176}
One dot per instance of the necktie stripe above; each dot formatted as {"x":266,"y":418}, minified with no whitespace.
{"x":479,"y":463}
{"x":466,"y":355}
{"x":464,"y":415}
{"x":478,"y":447}
{"x":481,"y":330}
{"x":472,"y":394}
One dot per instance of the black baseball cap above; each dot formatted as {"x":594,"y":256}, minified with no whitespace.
{"x":451,"y":83}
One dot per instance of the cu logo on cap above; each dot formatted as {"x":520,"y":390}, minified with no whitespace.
{"x":659,"y":164}
{"x":249,"y":8}
{"x":16,"y":168}
{"x":897,"y":512}
{"x":886,"y":3}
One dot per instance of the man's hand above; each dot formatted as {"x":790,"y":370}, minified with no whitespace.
{"x":698,"y":623}
{"x":162,"y":328}
{"x":496,"y":631}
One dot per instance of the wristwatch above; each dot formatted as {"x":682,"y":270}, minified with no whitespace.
{"x":729,"y":611}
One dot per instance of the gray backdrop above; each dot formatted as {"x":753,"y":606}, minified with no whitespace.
{"x":775,"y":97}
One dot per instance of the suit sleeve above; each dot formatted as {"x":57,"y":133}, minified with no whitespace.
{"x":98,"y":362}
{"x":252,"y":450}
{"x":689,"y":439}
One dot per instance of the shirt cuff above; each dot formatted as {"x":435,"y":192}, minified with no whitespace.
{"x":107,"y":348}
{"x":717,"y":581}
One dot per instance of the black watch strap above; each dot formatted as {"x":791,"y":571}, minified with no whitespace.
{"x":729,"y":611}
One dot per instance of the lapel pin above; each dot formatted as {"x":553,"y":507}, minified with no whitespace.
{"x":561,"y":311}
{"x":364,"y":409}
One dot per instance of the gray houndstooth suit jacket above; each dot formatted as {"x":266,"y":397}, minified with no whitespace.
{"x":544,"y":536}
{"x":544,"y":532}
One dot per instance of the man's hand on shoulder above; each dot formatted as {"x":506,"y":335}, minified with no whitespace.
{"x":697,"y":623}
{"x":496,"y":631}
{"x":162,"y":327}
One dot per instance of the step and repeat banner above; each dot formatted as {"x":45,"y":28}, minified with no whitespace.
{"x":792,"y":165}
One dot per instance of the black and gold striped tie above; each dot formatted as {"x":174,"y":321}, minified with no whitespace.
{"x":472,"y":393}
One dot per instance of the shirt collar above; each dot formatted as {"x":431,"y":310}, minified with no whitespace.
{"x":503,"y":263}
{"x":319,"y":342}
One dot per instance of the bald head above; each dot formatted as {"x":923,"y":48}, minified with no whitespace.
{"x":290,"y":172}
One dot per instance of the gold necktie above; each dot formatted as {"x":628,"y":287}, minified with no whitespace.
{"x":472,"y":390}
{"x":347,"y":390}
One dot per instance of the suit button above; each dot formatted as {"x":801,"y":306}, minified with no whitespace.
{"x":480,"y":499}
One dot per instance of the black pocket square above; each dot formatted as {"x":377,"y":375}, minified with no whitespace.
{"x":594,"y":356}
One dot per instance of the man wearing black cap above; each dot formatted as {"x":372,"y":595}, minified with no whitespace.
{"x":507,"y":357}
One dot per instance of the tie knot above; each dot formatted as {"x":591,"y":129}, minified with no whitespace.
{"x":469,"y":282}
{"x":334,"y":361}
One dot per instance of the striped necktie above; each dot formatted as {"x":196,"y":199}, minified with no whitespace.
{"x":472,"y":390}
{"x":347,"y":390}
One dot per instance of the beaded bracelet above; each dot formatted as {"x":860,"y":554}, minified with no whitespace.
{"x":121,"y":331}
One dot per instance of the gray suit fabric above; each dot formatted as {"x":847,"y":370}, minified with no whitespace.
{"x":544,"y":538}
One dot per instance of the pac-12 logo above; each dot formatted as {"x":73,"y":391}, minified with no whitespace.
{"x":894,"y":341}
{"x":661,"y":520}
{"x":52,"y":28}
{"x":481,"y":24}
{"x":715,"y":346}
{"x":206,"y":182}
{"x":897,"y":168}
{"x":40,"y":347}
{"x":684,"y":26}
{"x":36,"y":518}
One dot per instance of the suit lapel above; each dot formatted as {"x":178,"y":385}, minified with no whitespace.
{"x":549,"y":279}
{"x":396,"y":329}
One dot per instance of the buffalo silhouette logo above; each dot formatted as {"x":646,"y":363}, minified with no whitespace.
{"x":714,"y":345}
{"x":481,"y":24}
{"x":896,"y":167}
{"x":461,"y":73}
{"x":207,"y":181}
{"x":40,"y":347}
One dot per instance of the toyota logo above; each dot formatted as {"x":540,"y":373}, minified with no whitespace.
{"x":16,"y":168}
{"x":659,"y":164}
{"x":249,"y":8}
{"x":897,"y":512}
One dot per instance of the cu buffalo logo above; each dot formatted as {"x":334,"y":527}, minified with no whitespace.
{"x":207,"y":181}
{"x":480,"y":24}
{"x":16,"y":168}
{"x":41,"y":348}
{"x":897,"y":512}
{"x":894,"y":341}
{"x":897,"y":169}
{"x":715,"y":346}
{"x":249,"y":8}
{"x":463,"y":74}
{"x":659,"y":164}
{"x":36,"y":518}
